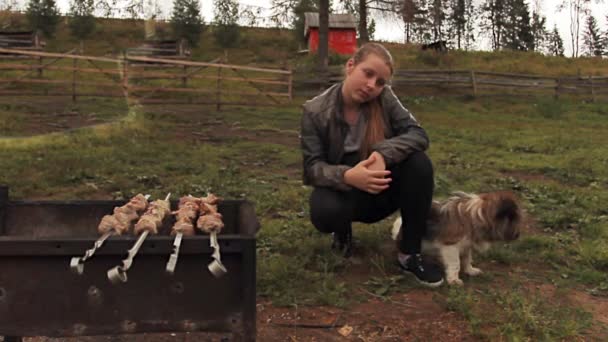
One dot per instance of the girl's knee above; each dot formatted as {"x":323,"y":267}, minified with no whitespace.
{"x":327,"y":211}
{"x":419,"y":161}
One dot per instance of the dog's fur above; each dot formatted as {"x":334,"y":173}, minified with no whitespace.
{"x":465,"y":222}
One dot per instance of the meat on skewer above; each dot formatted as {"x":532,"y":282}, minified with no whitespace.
{"x":122,"y":218}
{"x":185,"y":215}
{"x":149,"y":223}
{"x":210,"y":220}
{"x":153,"y":217}
{"x":117,"y":223}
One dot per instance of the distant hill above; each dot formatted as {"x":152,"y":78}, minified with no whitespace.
{"x":273,"y":47}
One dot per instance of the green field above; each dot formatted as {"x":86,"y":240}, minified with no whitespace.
{"x":553,"y":154}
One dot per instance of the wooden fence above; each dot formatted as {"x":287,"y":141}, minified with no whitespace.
{"x":475,"y":83}
{"x":143,"y":79}
{"x":169,"y":81}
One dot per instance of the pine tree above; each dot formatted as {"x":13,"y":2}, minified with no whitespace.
{"x":302,"y":7}
{"x":556,"y":44}
{"x":226,"y":30}
{"x":539,"y":32}
{"x":517,"y":33}
{"x":43,"y":15}
{"x":186,"y":20}
{"x":606,"y":39}
{"x":458,"y":20}
{"x":592,"y":40}
{"x":371,"y":29}
{"x":82,"y":22}
{"x":410,"y":12}
{"x":461,"y":22}
{"x":495,"y":12}
{"x":437,"y":12}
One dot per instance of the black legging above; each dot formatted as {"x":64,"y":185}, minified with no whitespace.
{"x":411,"y":191}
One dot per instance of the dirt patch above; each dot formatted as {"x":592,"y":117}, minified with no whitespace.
{"x":58,"y":122}
{"x":216,"y":131}
{"x":402,"y":317}
{"x":597,"y":306}
{"x":407,"y":316}
{"x":526,"y":176}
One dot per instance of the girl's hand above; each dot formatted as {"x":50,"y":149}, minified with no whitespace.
{"x":362,"y":177}
{"x":379,"y":164}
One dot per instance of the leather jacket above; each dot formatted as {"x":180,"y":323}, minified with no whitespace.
{"x":323,"y":130}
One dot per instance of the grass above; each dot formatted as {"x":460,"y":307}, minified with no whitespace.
{"x":518,"y":314}
{"x":553,"y":154}
{"x":480,"y":145}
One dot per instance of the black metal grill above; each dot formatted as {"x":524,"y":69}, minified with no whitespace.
{"x":39,"y":296}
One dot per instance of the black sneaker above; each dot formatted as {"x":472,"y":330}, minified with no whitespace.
{"x":426,"y":273}
{"x":343,"y":243}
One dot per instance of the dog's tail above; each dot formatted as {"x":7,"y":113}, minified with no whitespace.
{"x":396,"y":228}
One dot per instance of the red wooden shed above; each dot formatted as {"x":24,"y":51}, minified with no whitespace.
{"x":342,"y":32}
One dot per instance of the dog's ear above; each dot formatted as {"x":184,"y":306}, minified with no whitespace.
{"x":508,"y":214}
{"x":507,"y":209}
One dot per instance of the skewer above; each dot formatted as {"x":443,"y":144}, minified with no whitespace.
{"x":216,"y":267}
{"x":211,"y":222}
{"x":77,"y":263}
{"x":170,"y":269}
{"x":177,"y":242}
{"x":119,"y":273}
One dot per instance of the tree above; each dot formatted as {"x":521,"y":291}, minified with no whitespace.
{"x":43,"y":15}
{"x":323,"y":51}
{"x":302,"y":7}
{"x":414,"y":14}
{"x":6,"y":7}
{"x":556,"y":44}
{"x":361,"y":10}
{"x":82,"y":22}
{"x":592,"y":40}
{"x":539,"y":32}
{"x":437,"y":12}
{"x":371,"y":29}
{"x":606,"y":38}
{"x":495,"y":12}
{"x":226,"y":30}
{"x":517,"y":29}
{"x":576,"y":9}
{"x":460,"y":21}
{"x":186,"y":20}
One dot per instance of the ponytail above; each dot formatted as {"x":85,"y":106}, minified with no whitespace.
{"x":374,"y":132}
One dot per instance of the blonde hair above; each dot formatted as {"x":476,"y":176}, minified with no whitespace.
{"x":375,"y":125}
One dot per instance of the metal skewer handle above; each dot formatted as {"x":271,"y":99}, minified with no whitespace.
{"x":77,"y":264}
{"x":216,"y":267}
{"x":170,"y":269}
{"x":119,"y":273}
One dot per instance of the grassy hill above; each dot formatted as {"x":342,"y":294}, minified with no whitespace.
{"x":278,"y":48}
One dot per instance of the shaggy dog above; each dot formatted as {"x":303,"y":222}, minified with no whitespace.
{"x":465,"y":222}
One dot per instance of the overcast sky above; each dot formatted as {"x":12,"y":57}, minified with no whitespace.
{"x":392,"y":30}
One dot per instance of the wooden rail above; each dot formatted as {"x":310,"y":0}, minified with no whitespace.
{"x":473,"y":82}
{"x":142,"y":79}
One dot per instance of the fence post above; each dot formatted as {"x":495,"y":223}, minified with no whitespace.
{"x":185,"y":76}
{"x":592,"y":90}
{"x":557,"y":85}
{"x":218,"y":106}
{"x":290,"y":85}
{"x":473,"y":83}
{"x":125,"y":76}
{"x":40,"y":67}
{"x":74,"y":65}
